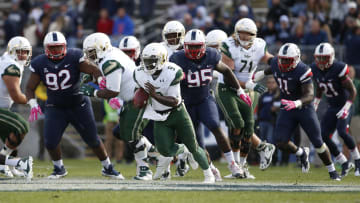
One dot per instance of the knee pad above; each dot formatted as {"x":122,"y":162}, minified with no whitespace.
{"x":14,"y":140}
{"x":245,"y":146}
{"x":322,"y":149}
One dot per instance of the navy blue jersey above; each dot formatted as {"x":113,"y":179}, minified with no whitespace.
{"x":290,"y":82}
{"x":330,"y":82}
{"x":61,"y":78}
{"x":198,"y":74}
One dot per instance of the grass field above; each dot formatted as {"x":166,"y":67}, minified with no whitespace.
{"x":262,"y":190}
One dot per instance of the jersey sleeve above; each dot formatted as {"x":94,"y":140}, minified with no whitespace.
{"x":178,"y":77}
{"x":306,"y":77}
{"x":173,"y":58}
{"x":225,"y":49}
{"x":111,"y":66}
{"x":113,"y":80}
{"x":343,"y":71}
{"x":174,"y":91}
{"x":12,"y":70}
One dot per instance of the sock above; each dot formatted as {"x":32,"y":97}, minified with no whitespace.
{"x":242,"y":160}
{"x":207,"y":171}
{"x":237,"y":156}
{"x":341,"y":158}
{"x":6,"y":151}
{"x":141,"y":162}
{"x":299,"y":152}
{"x":58,"y":163}
{"x":11,"y":161}
{"x":355,"y":153}
{"x":229,"y":157}
{"x":106,"y":163}
{"x":330,"y":167}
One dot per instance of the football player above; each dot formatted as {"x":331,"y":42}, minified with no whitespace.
{"x":242,"y":52}
{"x":294,"y":80}
{"x":161,"y":79}
{"x":198,"y":63}
{"x":332,"y":79}
{"x":130,"y":45}
{"x":118,"y":70}
{"x":59,"y":69}
{"x":173,"y":35}
{"x":13,"y":127}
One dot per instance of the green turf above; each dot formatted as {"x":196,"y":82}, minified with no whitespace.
{"x":169,"y":197}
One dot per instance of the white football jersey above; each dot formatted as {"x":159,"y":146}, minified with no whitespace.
{"x":245,"y":60}
{"x":167,"y":84}
{"x":9,"y":65}
{"x":118,"y":69}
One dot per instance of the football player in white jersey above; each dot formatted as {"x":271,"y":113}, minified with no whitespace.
{"x":13,"y":127}
{"x":173,"y":36}
{"x":161,"y":80}
{"x":242,"y":52}
{"x":118,"y":70}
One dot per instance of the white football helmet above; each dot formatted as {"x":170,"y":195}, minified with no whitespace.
{"x":288,"y":57}
{"x":130,"y":45}
{"x":324,"y":55}
{"x":20,"y":50}
{"x":245,"y":25}
{"x":194,"y":44}
{"x":153,"y":57}
{"x":96,"y":45}
{"x":173,"y":34}
{"x":214,"y":38}
{"x":55,"y":45}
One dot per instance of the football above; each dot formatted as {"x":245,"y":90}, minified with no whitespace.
{"x":140,"y":98}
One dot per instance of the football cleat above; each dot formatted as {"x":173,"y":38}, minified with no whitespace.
{"x":216,"y":174}
{"x":16,"y":172}
{"x":236,"y":170}
{"x":209,"y":177}
{"x":181,"y":168}
{"x":25,"y":165}
{"x":247,"y":173}
{"x":144,"y":173}
{"x":166,"y":175}
{"x":186,"y":155}
{"x":346,"y":168}
{"x":357,"y":167}
{"x":266,"y":156}
{"x":112,"y":173}
{"x":58,"y":173}
{"x":334,"y":176}
{"x":304,"y":160}
{"x":162,"y":165}
{"x":4,"y":170}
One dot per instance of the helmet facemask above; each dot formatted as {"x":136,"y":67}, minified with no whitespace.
{"x":194,"y":50}
{"x":55,"y":51}
{"x":174,"y":40}
{"x":151,"y":64}
{"x":246,"y":39}
{"x":323,"y":62}
{"x":90,"y":54}
{"x":287,"y":64}
{"x":23,"y":56}
{"x":131,"y":53}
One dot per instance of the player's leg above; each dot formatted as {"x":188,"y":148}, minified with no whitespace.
{"x":13,"y":130}
{"x":181,"y":121}
{"x":54,"y":126}
{"x":82,"y":118}
{"x":342,"y":129}
{"x":209,"y":116}
{"x":310,"y":123}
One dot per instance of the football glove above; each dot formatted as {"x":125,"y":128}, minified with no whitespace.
{"x":88,"y":90}
{"x":316,"y":103}
{"x":35,"y":110}
{"x":243,"y":96}
{"x":344,"y":112}
{"x":115,"y":103}
{"x":86,"y":78}
{"x":256,"y":87}
{"x":289,"y":104}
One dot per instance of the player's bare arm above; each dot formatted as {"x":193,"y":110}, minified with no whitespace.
{"x":228,"y":61}
{"x":13,"y":85}
{"x":267,"y":58}
{"x":349,"y":86}
{"x":33,"y":82}
{"x":307,"y":93}
{"x":165,"y":100}
{"x":229,"y":75}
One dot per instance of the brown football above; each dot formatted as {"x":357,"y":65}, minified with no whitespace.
{"x":140,"y":98}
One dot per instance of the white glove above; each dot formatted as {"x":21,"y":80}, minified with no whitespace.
{"x":344,"y":112}
{"x":316,"y":103}
{"x":258,"y":76}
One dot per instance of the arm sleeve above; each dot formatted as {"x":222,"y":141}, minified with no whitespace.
{"x":113,"y":80}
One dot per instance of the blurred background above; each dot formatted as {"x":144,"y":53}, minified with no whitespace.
{"x":304,"y":22}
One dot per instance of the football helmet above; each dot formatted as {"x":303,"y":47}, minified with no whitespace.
{"x":130,"y":46}
{"x":96,"y":45}
{"x":173,"y":34}
{"x":55,"y":45}
{"x":153,"y":57}
{"x":214,"y":38}
{"x":248,"y":26}
{"x":20,"y":50}
{"x":288,"y":57}
{"x":324,"y":55}
{"x":194,"y":44}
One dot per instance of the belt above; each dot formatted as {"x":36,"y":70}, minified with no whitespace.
{"x":168,"y":110}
